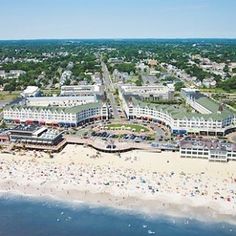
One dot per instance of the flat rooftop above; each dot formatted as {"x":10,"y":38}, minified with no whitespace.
{"x":81,"y":88}
{"x":208,"y":144}
{"x":50,"y":134}
{"x":26,"y":128}
{"x":31,"y":89}
{"x":39,"y":132}
{"x":154,"y":89}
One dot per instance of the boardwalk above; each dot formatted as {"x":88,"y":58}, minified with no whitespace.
{"x":102,"y":146}
{"x":99,"y":145}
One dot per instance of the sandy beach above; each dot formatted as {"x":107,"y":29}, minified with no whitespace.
{"x":153,"y":183}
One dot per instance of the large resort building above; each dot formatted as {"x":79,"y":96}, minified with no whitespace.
{"x":199,"y":115}
{"x":56,"y":116}
{"x":63,"y":111}
{"x":204,"y":116}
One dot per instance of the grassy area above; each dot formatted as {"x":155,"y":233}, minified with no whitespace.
{"x":135,"y":128}
{"x":132,"y":79}
{"x":232,"y":104}
{"x":217,"y":90}
{"x":8,"y":96}
{"x":50,"y":92}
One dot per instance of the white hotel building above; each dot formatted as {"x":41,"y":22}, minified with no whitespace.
{"x":154,"y":92}
{"x":207,"y":117}
{"x":82,"y":90}
{"x":61,"y":101}
{"x":78,"y":105}
{"x":56,"y":116}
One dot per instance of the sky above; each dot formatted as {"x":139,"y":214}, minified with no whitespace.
{"x":78,"y":19}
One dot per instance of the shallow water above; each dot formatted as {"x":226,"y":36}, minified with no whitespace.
{"x":22,"y":216}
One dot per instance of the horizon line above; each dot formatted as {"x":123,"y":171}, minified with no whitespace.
{"x":120,"y":38}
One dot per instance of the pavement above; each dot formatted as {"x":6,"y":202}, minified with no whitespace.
{"x":232,"y":137}
{"x":109,"y":88}
{"x":120,"y":146}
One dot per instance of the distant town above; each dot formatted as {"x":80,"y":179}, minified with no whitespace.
{"x":120,"y":95}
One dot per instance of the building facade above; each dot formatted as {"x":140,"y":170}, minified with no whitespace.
{"x":82,"y":90}
{"x":207,"y":117}
{"x":60,"y":101}
{"x":208,"y":149}
{"x":32,"y":134}
{"x":4,"y":137}
{"x":56,"y":116}
{"x":154,"y":92}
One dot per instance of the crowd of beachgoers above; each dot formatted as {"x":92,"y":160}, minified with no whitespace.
{"x":156,"y":183}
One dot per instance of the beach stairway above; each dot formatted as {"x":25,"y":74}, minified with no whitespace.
{"x":9,"y":148}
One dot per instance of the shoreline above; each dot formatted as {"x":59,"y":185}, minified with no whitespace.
{"x":153,"y":207}
{"x":146,"y":183}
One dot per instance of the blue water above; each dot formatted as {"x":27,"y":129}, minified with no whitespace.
{"x":25,"y":217}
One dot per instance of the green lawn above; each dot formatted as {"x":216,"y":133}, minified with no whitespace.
{"x":8,"y":96}
{"x":50,"y":92}
{"x":216,"y":90}
{"x":137,"y":128}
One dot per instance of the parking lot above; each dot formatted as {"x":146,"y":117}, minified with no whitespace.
{"x":104,"y":135}
{"x":98,"y":131}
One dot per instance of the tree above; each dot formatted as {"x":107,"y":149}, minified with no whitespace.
{"x":10,"y":87}
{"x":67,"y":82}
{"x":125,"y":67}
{"x":226,"y":69}
{"x":179,"y":85}
{"x":3,"y":125}
{"x":228,"y":84}
{"x":139,"y":81}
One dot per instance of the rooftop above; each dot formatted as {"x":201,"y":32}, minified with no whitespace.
{"x":74,"y":110}
{"x":208,"y":144}
{"x":208,"y":103}
{"x":81,"y":88}
{"x":38,"y":132}
{"x":26,"y":128}
{"x":180,"y":112}
{"x":50,"y":134}
{"x":154,"y":89}
{"x":31,"y":89}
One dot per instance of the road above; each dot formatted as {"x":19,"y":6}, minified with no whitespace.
{"x":109,"y":88}
{"x":1,"y":117}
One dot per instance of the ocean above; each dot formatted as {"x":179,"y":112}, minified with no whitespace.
{"x":24,"y":216}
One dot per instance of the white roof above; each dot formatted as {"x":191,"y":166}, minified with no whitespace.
{"x":189,"y":90}
{"x":31,"y":89}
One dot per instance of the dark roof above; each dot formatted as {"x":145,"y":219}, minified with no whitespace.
{"x":208,"y":144}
